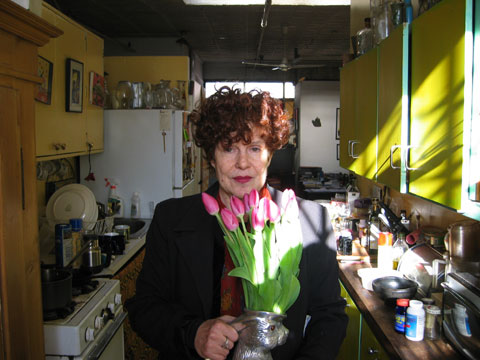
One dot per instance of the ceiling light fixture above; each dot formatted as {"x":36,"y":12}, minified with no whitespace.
{"x":274,"y":2}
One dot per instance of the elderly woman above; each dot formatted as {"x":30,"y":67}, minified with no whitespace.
{"x":184,"y":298}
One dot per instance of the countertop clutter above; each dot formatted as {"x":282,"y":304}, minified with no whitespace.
{"x":380,"y":318}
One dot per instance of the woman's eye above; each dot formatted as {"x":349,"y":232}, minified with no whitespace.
{"x":256,"y":149}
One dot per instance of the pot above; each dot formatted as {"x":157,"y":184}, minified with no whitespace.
{"x":56,"y":288}
{"x":461,"y":241}
{"x":392,"y":287}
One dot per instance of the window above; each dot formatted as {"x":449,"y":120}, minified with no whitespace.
{"x":278,"y":90}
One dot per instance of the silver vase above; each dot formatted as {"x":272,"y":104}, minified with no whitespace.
{"x":259,"y":332}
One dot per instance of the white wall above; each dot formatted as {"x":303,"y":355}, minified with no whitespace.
{"x":318,"y":147}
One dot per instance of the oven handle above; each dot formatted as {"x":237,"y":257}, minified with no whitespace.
{"x":461,"y":299}
{"x":107,"y":336}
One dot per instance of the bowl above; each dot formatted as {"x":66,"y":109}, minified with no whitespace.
{"x":392,"y":287}
{"x":369,"y":274}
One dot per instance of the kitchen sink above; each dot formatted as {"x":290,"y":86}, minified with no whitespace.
{"x":138,"y":227}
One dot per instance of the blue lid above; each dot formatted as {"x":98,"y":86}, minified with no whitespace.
{"x":76,"y":224}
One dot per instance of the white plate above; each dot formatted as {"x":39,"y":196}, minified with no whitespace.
{"x":72,"y":201}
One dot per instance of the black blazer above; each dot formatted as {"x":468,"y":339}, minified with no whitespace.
{"x":174,"y":292}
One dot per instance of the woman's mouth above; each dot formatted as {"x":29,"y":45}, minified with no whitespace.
{"x":242,"y":179}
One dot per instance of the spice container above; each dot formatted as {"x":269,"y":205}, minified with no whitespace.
{"x":432,"y":322}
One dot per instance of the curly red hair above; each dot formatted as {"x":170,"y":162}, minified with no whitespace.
{"x":229,"y":116}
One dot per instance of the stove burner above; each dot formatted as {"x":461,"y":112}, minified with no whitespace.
{"x":60,"y":313}
{"x":84,"y":288}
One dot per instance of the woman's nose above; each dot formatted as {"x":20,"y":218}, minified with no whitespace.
{"x":242,"y":160}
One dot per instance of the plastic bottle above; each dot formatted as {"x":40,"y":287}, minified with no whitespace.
{"x":415,"y":321}
{"x":115,"y":202}
{"x":400,"y":315}
{"x":400,"y":247}
{"x":135,"y":206}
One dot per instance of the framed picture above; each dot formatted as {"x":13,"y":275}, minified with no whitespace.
{"x":337,"y":125}
{"x":44,"y":90}
{"x":74,"y":86}
{"x":338,"y":151}
{"x":97,"y":89}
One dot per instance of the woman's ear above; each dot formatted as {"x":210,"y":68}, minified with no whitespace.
{"x":212,"y":163}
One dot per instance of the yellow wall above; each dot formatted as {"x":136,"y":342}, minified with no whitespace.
{"x":146,"y":68}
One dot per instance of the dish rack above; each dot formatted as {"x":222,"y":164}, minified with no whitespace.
{"x":100,"y":226}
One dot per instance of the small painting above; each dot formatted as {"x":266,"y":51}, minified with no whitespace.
{"x":97,"y":89}
{"x":44,"y":90}
{"x":74,"y":86}
{"x":337,"y":125}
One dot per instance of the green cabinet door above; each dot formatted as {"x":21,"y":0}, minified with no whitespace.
{"x":364,"y":147}
{"x":350,"y":347}
{"x":437,"y":103}
{"x":347,"y":113}
{"x":358,"y":115}
{"x":370,"y":348}
{"x":393,"y":78}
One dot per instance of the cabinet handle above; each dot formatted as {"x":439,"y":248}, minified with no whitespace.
{"x":348,"y":149}
{"x":346,"y":302}
{"x":372,"y":351}
{"x":392,"y":150}
{"x":353,"y":149}
{"x":407,"y":161}
{"x":63,"y":146}
{"x":59,"y":146}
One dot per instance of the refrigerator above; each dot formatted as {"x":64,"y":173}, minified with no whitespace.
{"x":151,"y":152}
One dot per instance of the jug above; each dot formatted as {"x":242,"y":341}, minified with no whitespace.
{"x":461,"y":241}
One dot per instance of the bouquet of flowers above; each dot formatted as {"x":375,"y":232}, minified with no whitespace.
{"x":267,"y":256}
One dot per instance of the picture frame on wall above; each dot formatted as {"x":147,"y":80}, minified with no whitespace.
{"x":43,"y":92}
{"x":97,"y":89}
{"x":337,"y":124}
{"x":74,"y":86}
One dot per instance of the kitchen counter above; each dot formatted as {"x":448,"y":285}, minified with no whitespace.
{"x":131,"y":248}
{"x":380,"y":319}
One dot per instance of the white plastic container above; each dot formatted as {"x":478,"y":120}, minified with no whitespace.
{"x":369,"y":274}
{"x":135,"y":206}
{"x":415,"y":321}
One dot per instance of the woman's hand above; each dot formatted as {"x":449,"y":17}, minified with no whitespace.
{"x":215,"y":338}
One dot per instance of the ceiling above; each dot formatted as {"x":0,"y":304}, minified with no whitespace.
{"x":226,"y":34}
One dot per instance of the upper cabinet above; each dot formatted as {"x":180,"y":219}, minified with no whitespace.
{"x":426,"y":123}
{"x":438,"y":102}
{"x":358,"y":114}
{"x":61,"y":133}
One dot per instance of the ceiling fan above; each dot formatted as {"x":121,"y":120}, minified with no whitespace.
{"x":285,"y":65}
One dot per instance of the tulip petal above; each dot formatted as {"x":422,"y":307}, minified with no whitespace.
{"x":229,"y":219}
{"x":237,"y":206}
{"x":210,"y":203}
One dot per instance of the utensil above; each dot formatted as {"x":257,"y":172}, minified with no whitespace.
{"x":56,"y":288}
{"x":392,"y":287}
{"x":462,"y":240}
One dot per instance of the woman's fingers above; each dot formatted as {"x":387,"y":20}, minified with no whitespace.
{"x":215,"y":338}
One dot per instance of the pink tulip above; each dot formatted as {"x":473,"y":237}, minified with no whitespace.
{"x":258,"y":215}
{"x":253,"y":198}
{"x":211,"y":204}
{"x":245,"y":202}
{"x":272,"y":211}
{"x":229,"y":219}
{"x":237,"y":206}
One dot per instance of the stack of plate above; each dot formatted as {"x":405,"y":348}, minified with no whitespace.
{"x":70,"y":202}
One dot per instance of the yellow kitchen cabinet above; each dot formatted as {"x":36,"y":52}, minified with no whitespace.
{"x":358,"y":120}
{"x":440,"y":100}
{"x":350,"y":346}
{"x":393,"y":102}
{"x":60,"y":133}
{"x":370,"y":348}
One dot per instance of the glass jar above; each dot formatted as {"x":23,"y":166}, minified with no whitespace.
{"x":380,"y":13}
{"x":364,"y":38}
{"x":432,"y":322}
{"x":123,"y":94}
{"x":163,"y":95}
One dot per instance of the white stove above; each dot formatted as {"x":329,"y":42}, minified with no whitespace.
{"x":93,"y":329}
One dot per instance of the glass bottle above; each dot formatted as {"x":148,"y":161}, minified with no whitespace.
{"x":123,"y":94}
{"x":373,"y":228}
{"x":364,"y":38}
{"x":400,"y":247}
{"x":182,"y":98}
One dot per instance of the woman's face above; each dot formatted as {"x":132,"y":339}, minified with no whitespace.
{"x":242,"y":167}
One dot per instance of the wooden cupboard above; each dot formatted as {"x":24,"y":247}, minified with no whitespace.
{"x":61,"y":133}
{"x":21,"y":323}
{"x":438,"y":95}
{"x":358,"y":115}
{"x":370,"y":347}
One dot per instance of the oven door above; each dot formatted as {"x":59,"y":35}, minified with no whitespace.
{"x":461,"y":322}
